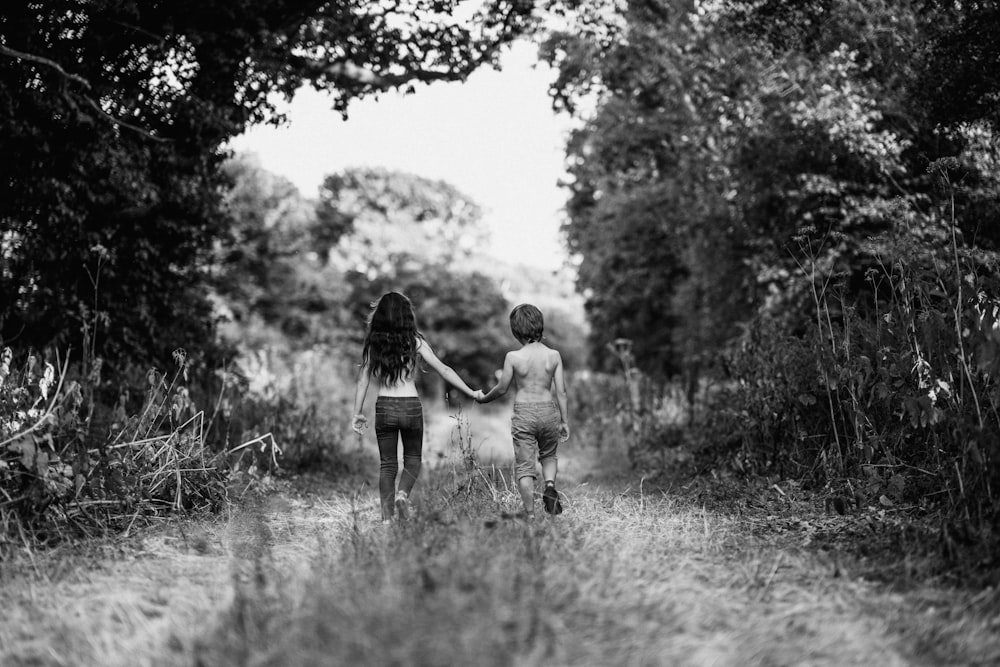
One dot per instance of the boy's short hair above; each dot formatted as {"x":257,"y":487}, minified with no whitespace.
{"x":527,"y":323}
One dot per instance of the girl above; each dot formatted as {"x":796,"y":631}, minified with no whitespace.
{"x":392,"y":345}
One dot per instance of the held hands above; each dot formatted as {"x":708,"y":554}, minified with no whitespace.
{"x":563,"y":432}
{"x":478,"y":395}
{"x":359,"y":423}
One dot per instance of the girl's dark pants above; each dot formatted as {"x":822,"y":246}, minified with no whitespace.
{"x":398,"y":417}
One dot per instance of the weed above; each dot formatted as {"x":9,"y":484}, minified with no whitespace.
{"x":60,"y":478}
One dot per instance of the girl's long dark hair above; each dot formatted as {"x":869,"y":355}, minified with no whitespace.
{"x":390,"y":348}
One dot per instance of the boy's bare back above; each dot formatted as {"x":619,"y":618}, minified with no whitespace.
{"x":535,"y":370}
{"x":534,"y":367}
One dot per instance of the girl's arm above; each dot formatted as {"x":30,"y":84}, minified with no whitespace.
{"x":501,"y":387}
{"x":442,"y":369}
{"x":359,"y":422}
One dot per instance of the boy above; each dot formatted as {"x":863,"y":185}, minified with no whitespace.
{"x":538,"y":423}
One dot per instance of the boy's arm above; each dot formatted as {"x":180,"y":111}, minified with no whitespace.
{"x":442,"y":369}
{"x":359,"y":422}
{"x":500,"y":388}
{"x":560,"y":381}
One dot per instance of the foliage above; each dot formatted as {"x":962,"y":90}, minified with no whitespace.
{"x":113,"y":117}
{"x":960,"y":77}
{"x":270,"y":229}
{"x":720,"y":132}
{"x":889,"y":401}
{"x":271,"y":273}
{"x":784,"y":187}
{"x":396,"y":218}
{"x":649,"y":189}
{"x":943,"y":53}
{"x":66,"y":468}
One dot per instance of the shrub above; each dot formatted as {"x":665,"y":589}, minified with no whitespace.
{"x":890,"y":395}
{"x":300,"y":399}
{"x":63,"y":471}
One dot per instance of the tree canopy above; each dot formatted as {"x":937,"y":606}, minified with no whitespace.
{"x":112,"y":120}
{"x":732,"y":140}
{"x":395,"y":217}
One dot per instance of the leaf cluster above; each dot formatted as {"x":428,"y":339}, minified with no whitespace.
{"x":721,"y":133}
{"x":114,"y":118}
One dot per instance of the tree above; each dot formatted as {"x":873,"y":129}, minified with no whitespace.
{"x":942,"y":55}
{"x":649,"y":179}
{"x":270,"y":269}
{"x":924,"y":72}
{"x":731,"y":141}
{"x":112,"y":118}
{"x":959,"y":74}
{"x":395,"y":217}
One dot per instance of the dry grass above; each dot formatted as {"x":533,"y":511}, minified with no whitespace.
{"x":115,"y":606}
{"x":625,"y":577}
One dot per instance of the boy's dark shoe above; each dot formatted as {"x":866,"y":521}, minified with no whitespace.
{"x":551,"y":499}
{"x":403,"y":505}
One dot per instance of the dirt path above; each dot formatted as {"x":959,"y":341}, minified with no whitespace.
{"x":624,"y":577}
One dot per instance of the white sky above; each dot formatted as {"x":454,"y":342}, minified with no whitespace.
{"x":494,"y":137}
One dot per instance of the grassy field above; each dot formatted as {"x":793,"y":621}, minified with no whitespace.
{"x":628,"y":575}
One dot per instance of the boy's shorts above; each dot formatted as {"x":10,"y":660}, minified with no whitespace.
{"x":534,"y":427}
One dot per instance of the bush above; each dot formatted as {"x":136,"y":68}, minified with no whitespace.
{"x":294,"y":406}
{"x":70,"y":465}
{"x":890,"y":395}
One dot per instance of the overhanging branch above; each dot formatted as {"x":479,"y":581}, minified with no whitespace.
{"x":117,"y":121}
{"x":41,"y":60}
{"x":21,"y":55}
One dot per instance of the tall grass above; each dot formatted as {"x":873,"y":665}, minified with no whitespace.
{"x":465,"y":582}
{"x":85,"y":448}
{"x":626,"y":576}
{"x":623,"y":577}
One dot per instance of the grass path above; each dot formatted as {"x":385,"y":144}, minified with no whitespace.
{"x":625,"y":577}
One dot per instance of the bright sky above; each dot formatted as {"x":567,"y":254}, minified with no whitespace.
{"x":494,"y":137}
